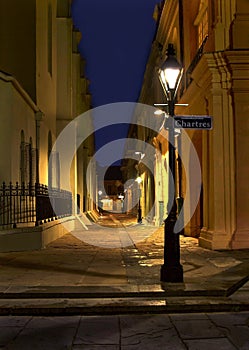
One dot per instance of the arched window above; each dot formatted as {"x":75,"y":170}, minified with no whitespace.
{"x":32,"y":162}
{"x":49,"y":143}
{"x":53,"y":164}
{"x":22,"y":158}
{"x":27,"y":160}
{"x":50,"y":170}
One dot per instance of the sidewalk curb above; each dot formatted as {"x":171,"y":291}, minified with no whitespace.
{"x":60,"y":307}
{"x":121,"y":291}
{"x":74,"y":293}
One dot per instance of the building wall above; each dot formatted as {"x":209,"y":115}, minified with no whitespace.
{"x":42,"y":88}
{"x":17,"y":113}
{"x":17,"y":37}
{"x":215,"y":83}
{"x":220,"y":88}
{"x":73,"y":99}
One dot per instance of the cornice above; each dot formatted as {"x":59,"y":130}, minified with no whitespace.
{"x":213,"y":70}
{"x":238,"y":65}
{"x":238,"y":57}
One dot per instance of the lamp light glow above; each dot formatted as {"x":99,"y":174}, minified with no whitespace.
{"x":139,"y":180}
{"x":170,"y":73}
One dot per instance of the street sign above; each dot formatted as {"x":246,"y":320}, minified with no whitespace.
{"x":201,"y":122}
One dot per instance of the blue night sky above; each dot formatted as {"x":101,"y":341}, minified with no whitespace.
{"x":116,"y":41}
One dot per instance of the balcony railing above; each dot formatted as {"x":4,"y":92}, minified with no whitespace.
{"x":194,"y":62}
{"x":25,"y":204}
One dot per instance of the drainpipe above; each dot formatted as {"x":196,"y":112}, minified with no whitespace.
{"x":38,"y":118}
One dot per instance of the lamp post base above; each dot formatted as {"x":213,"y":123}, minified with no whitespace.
{"x":139,"y":216}
{"x":171,"y":273}
{"x":171,"y":270}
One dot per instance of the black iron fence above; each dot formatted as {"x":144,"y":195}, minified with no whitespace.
{"x":32,"y":204}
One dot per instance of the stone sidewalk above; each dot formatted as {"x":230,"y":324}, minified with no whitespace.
{"x":116,"y":268}
{"x":205,"y":331}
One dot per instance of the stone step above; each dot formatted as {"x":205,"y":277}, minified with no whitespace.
{"x":121,"y":291}
{"x":172,"y":290}
{"x":127,"y":305}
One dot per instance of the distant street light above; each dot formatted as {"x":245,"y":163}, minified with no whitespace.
{"x":170,"y":74}
{"x":99,"y":202}
{"x":121,"y":197}
{"x":139,"y":180}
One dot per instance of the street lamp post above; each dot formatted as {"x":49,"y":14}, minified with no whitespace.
{"x":139,"y":210}
{"x":170,"y":74}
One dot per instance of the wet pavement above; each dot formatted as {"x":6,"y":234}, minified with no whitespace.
{"x":100,"y":289}
{"x":114,"y":267}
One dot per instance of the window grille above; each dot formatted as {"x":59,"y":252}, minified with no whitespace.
{"x":27,"y":163}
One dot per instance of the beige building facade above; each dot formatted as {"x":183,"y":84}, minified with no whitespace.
{"x":211,"y":41}
{"x":42,"y":89}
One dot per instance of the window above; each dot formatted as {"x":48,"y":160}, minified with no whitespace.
{"x":22,"y":158}
{"x":53,"y":165}
{"x":49,"y":154}
{"x":27,"y":161}
{"x":32,"y":162}
{"x":201,"y":22}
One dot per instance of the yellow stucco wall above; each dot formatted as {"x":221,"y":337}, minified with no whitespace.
{"x":217,"y":85}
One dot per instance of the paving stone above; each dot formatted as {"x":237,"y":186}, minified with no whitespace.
{"x":225,"y":262}
{"x":241,"y":294}
{"x":14,"y":321}
{"x":7,"y":334}
{"x":227,"y":319}
{"x":157,"y":343}
{"x":239,"y":336}
{"x":209,"y":344}
{"x":54,"y":322}
{"x":96,"y":330}
{"x":96,"y":347}
{"x":127,"y":332}
{"x":235,"y":327}
{"x":196,"y":328}
{"x":148,"y":332}
{"x":185,"y":317}
{"x":46,"y":333}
